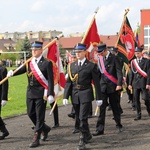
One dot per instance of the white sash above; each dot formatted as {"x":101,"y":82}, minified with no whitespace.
{"x":39,"y":76}
{"x":137,"y":67}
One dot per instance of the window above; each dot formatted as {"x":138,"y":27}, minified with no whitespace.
{"x":146,"y":35}
{"x":145,"y":40}
{"x":145,"y":32}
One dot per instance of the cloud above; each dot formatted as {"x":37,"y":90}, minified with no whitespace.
{"x":38,"y":6}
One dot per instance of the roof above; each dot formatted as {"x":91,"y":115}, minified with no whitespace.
{"x":70,"y":42}
{"x":4,"y":43}
{"x":110,"y":40}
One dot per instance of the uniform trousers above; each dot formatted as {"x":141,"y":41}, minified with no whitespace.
{"x":145,"y":97}
{"x":55,"y":114}
{"x":113,"y":99}
{"x":1,"y":121}
{"x":81,"y":113}
{"x":36,"y":112}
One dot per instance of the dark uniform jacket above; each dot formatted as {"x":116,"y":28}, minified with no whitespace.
{"x":4,"y":86}
{"x":136,"y":79}
{"x":114,"y":68}
{"x":35,"y":89}
{"x":81,"y":88}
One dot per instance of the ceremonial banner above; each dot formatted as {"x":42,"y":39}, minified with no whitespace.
{"x":92,"y":39}
{"x":126,"y":41}
{"x":52,"y":53}
{"x":137,"y":38}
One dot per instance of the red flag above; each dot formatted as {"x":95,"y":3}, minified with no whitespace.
{"x":126,"y":43}
{"x":92,"y":39}
{"x":52,"y":53}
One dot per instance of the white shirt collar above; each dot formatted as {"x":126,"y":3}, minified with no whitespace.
{"x":107,"y":54}
{"x":38,"y":59}
{"x":82,"y":61}
{"x":139,"y":59}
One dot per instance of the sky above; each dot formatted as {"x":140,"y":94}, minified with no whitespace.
{"x":68,"y":16}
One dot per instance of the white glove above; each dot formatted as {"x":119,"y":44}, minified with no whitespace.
{"x":65,"y":101}
{"x":10,"y":73}
{"x":66,"y":76}
{"x":3,"y":102}
{"x":99,"y":102}
{"x":50,"y":99}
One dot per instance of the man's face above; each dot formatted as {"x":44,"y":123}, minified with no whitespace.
{"x":73,"y":59}
{"x":103,"y":53}
{"x":138,"y":54}
{"x":80,"y":55}
{"x":36,"y":52}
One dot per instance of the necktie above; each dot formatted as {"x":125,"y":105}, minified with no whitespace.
{"x":105,"y":58}
{"x":80,"y":65}
{"x":36,"y":60}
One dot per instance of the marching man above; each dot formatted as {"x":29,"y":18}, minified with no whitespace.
{"x":139,"y":80}
{"x":40,"y":87}
{"x":80,"y":76}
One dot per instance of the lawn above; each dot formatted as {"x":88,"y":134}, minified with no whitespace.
{"x":16,"y":104}
{"x":16,"y":96}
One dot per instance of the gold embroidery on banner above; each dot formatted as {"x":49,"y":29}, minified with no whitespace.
{"x":55,"y":72}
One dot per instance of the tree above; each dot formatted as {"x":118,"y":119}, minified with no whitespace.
{"x":26,"y":45}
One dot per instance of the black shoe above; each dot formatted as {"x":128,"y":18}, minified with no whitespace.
{"x":121,"y":111}
{"x":119,"y":130}
{"x":33,"y":127}
{"x":35,"y":142}
{"x":137,"y":118}
{"x":3,"y":135}
{"x":81,"y":145}
{"x":44,"y":134}
{"x":128,"y":101}
{"x":75,"y":131}
{"x":133,"y":109}
{"x":98,"y":133}
{"x":55,"y":126}
{"x":71,"y":115}
{"x":109,"y":108}
{"x":87,"y":138}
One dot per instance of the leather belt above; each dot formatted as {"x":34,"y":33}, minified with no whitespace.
{"x":81,"y":87}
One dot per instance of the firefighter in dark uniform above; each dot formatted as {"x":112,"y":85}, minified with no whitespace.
{"x":3,"y":100}
{"x":111,"y":83}
{"x":139,"y":80}
{"x":72,"y":114}
{"x":79,"y":83}
{"x":40,"y":87}
{"x":114,"y":50}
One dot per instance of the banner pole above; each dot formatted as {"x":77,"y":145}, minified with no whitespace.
{"x":50,"y":43}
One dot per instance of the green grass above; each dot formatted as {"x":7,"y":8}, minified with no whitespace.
{"x":16,"y":96}
{"x":16,"y":104}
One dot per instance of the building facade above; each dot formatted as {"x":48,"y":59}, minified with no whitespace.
{"x":145,"y":28}
{"x":45,"y":35}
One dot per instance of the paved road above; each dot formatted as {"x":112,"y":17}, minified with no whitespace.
{"x":136,"y":134}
